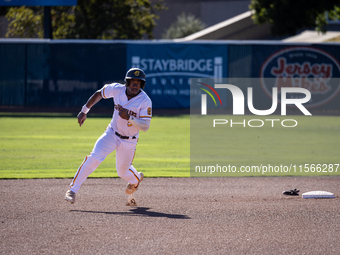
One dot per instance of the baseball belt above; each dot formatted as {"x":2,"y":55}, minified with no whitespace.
{"x":123,"y":136}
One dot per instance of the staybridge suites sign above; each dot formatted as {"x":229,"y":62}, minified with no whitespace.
{"x":169,"y":67}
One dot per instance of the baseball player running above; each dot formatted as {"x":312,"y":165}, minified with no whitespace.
{"x":132,"y":112}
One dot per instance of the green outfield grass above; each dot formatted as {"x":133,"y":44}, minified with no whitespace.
{"x":53,"y":146}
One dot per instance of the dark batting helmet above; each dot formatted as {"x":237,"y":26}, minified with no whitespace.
{"x":135,"y":73}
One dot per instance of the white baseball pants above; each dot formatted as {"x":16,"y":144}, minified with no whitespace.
{"x":107,"y":143}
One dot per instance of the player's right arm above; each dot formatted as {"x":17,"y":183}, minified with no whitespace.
{"x":95,"y":98}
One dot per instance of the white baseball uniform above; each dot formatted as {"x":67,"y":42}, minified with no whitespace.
{"x":120,"y":135}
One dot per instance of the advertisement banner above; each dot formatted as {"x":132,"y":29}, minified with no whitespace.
{"x":169,"y":67}
{"x":308,"y":67}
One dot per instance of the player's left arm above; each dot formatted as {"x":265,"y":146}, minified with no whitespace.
{"x":143,"y":122}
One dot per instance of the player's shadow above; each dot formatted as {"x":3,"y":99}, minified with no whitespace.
{"x":141,"y":211}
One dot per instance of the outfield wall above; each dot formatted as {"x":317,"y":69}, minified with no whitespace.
{"x":64,"y":73}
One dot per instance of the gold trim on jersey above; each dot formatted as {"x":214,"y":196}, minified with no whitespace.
{"x":104,"y":92}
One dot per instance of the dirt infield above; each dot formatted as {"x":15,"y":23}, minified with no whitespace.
{"x":173,"y":216}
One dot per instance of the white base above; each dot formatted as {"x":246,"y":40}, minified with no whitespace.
{"x":318,"y":194}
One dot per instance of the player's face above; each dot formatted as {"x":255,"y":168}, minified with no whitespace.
{"x":134,"y":87}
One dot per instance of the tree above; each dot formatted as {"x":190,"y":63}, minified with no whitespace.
{"x":90,"y":19}
{"x":288,"y":16}
{"x":184,"y":26}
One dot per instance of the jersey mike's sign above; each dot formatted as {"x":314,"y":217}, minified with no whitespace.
{"x":304,"y":67}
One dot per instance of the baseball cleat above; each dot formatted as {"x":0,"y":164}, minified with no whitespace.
{"x":70,"y":196}
{"x":131,"y":188}
{"x":131,"y":201}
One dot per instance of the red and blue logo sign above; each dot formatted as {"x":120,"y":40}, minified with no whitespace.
{"x":304,"y":67}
